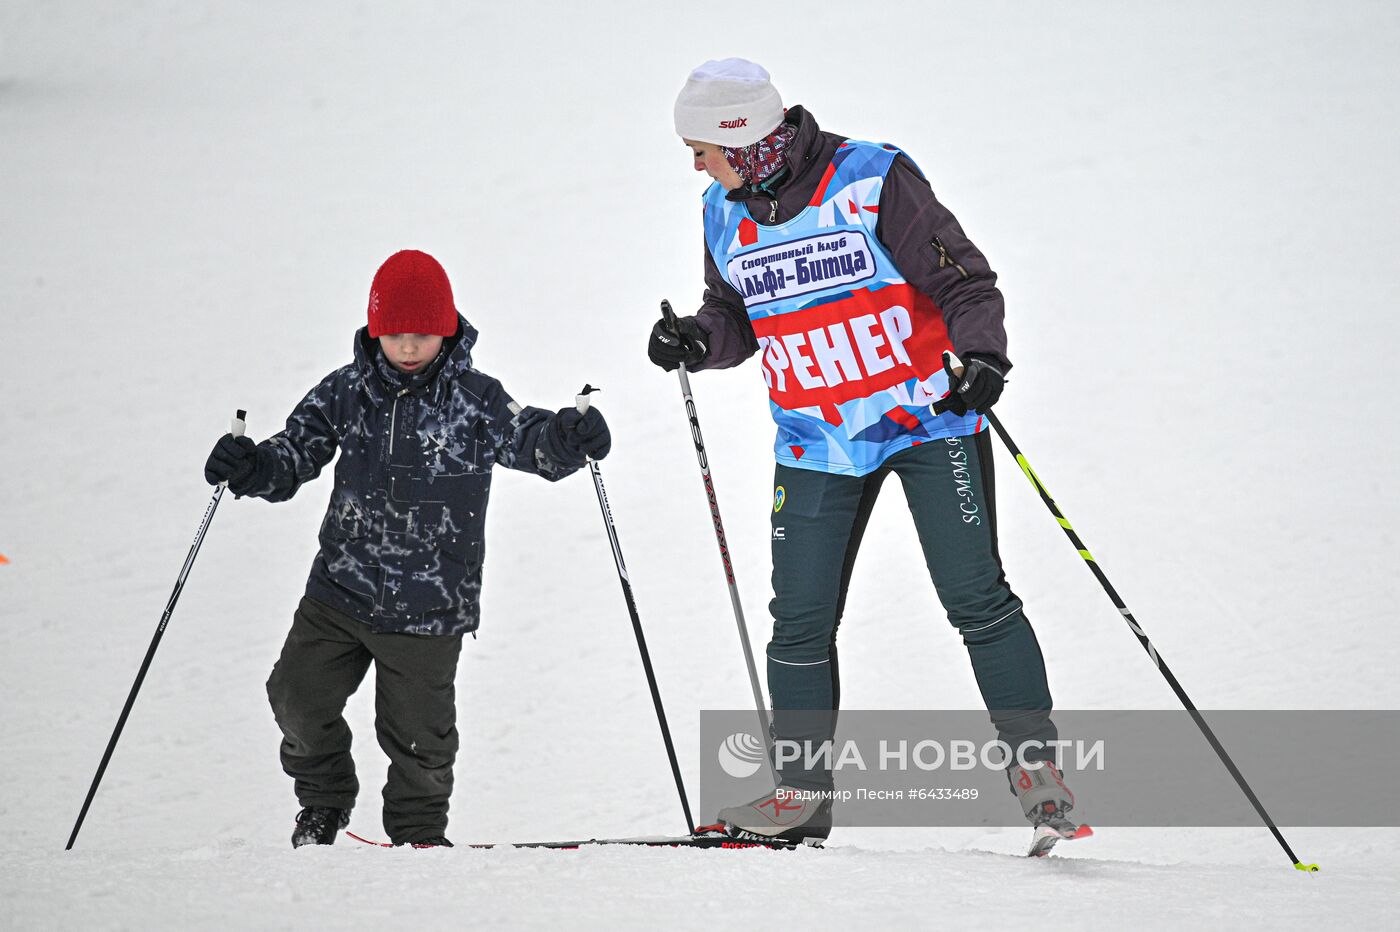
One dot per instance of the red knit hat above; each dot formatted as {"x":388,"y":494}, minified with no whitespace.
{"x":411,"y":294}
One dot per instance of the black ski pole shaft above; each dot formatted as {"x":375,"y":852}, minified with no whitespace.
{"x":954,"y":367}
{"x":237,"y":428}
{"x":713,"y":500}
{"x":582,"y":405}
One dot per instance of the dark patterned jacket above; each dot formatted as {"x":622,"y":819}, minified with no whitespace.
{"x":403,"y":539}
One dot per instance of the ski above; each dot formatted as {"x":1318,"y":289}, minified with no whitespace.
{"x":387,"y":844}
{"x":706,"y":836}
{"x":1047,"y":835}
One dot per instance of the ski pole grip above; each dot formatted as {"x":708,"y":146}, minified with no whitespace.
{"x":581,"y":399}
{"x":239,"y":426}
{"x":953,"y":368}
{"x":952,"y":365}
{"x":669,"y":315}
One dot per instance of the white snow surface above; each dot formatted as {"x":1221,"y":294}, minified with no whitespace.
{"x":1192,"y":208}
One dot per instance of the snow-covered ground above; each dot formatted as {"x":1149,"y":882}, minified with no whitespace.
{"x":1192,"y":207}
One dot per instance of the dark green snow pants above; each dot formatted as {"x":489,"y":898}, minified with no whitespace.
{"x":818,"y":521}
{"x":324,"y":659}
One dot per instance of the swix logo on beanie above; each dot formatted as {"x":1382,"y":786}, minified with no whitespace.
{"x":734,"y":124}
{"x":411,"y":294}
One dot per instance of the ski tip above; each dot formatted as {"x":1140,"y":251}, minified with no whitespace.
{"x":369,"y":841}
{"x":1305,"y":868}
{"x":4,"y":559}
{"x":1046,"y":838}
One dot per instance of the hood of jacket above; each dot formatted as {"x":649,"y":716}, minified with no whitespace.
{"x":382,"y":380}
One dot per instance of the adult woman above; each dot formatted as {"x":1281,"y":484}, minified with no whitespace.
{"x":832,"y":259}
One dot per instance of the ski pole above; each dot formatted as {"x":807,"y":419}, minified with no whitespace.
{"x":237,"y":428}
{"x":670,"y":317}
{"x":953,"y":367}
{"x":581,"y":402}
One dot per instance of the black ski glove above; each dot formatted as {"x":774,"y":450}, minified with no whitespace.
{"x":668,"y":350}
{"x":572,"y":438}
{"x":977,"y":390}
{"x":233,"y":460}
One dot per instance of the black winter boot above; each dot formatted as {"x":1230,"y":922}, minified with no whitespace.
{"x":318,"y":825}
{"x":439,"y":841}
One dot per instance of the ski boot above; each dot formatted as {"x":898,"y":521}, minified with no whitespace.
{"x":1045,"y":800}
{"x":786,"y":813}
{"x":318,"y":825}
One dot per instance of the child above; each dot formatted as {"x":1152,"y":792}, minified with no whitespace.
{"x":398,"y":576}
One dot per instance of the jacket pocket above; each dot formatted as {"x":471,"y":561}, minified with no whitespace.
{"x":339,"y":528}
{"x":345,"y":518}
{"x":945,"y":258}
{"x":346,"y":552}
{"x":439,"y":577}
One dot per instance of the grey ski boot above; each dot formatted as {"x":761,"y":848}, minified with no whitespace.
{"x":1046,"y":800}
{"x":787,"y":813}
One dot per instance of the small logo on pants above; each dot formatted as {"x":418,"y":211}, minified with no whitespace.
{"x":779,"y":496}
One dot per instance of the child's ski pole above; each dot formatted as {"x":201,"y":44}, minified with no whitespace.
{"x":237,"y":429}
{"x":670,"y":316}
{"x":582,"y":405}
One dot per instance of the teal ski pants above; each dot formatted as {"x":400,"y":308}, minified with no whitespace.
{"x":818,"y":522}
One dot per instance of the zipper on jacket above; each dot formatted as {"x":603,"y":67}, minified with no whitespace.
{"x":393,"y":420}
{"x":945,"y":260}
{"x":773,"y":210}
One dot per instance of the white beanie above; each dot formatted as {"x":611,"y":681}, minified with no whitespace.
{"x":730,"y":103}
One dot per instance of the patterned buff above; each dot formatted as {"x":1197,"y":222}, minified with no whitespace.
{"x":760,"y":161}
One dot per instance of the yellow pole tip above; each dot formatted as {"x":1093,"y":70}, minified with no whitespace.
{"x":1306,"y":868}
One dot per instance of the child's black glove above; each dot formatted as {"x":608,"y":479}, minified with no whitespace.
{"x":668,"y":349}
{"x":232,"y":460}
{"x":572,"y":438}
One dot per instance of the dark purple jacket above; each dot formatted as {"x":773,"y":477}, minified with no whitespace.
{"x":929,"y":249}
